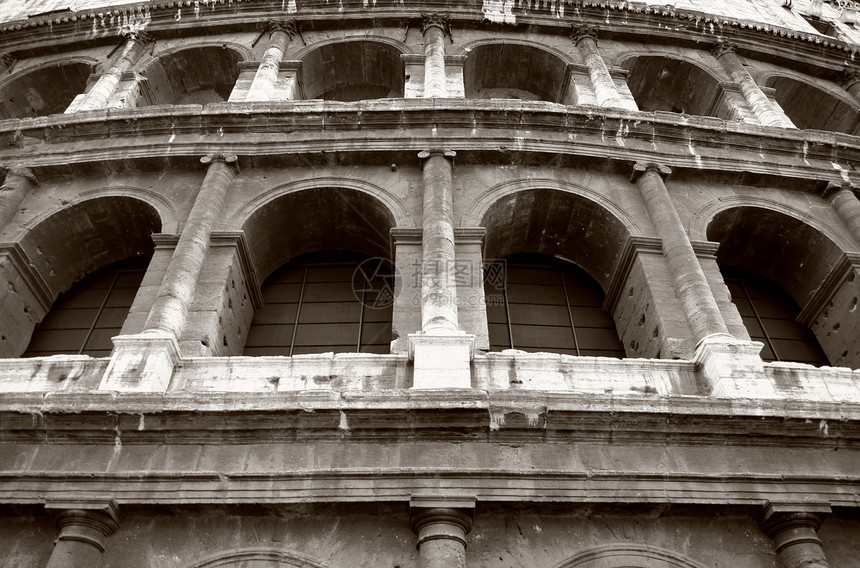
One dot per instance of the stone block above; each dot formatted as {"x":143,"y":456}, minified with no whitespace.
{"x":441,"y":361}
{"x":141,"y":363}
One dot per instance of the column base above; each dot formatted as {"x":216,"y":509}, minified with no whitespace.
{"x":733,"y":368}
{"x":442,"y":361}
{"x":141,"y":363}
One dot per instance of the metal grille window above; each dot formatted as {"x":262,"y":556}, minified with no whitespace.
{"x":538,"y":303}
{"x":769,"y":315}
{"x":324,"y":302}
{"x":84,"y":319}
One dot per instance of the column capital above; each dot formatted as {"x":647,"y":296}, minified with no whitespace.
{"x":23,"y":172}
{"x":833,"y":188}
{"x":435,"y":19}
{"x":7,"y":60}
{"x":424,"y":154}
{"x":438,"y":519}
{"x":640,"y":168}
{"x":140,"y":36}
{"x":291,"y":27}
{"x":579,"y":32}
{"x":230,"y":159}
{"x":91,"y":522}
{"x":721,"y":48}
{"x":848,"y":77}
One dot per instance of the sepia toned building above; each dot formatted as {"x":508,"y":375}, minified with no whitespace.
{"x":399,"y":284}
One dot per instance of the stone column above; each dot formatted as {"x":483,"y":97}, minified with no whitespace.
{"x":263,"y":85}
{"x":17,"y":185}
{"x":145,"y":362}
{"x":767,"y":113}
{"x":732,"y":367}
{"x":584,"y":37}
{"x":442,"y":351}
{"x":170,"y":309}
{"x":434,"y":27}
{"x":850,"y":81}
{"x":793,"y":529}
{"x":438,"y":292}
{"x":84,"y":530}
{"x":441,"y":533}
{"x":847,"y":206}
{"x":688,"y":278}
{"x":98,"y":96}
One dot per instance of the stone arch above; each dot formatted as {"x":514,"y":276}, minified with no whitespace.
{"x":354,"y":69}
{"x":629,"y":556}
{"x":63,"y":248}
{"x":346,"y":218}
{"x":801,"y":260}
{"x":810,"y":106}
{"x":478,"y":209}
{"x":396,"y":208}
{"x":193,"y":74}
{"x":515,"y":70}
{"x":44,"y":89}
{"x":556,"y":223}
{"x":258,"y":558}
{"x":661,"y":81}
{"x":703,"y":217}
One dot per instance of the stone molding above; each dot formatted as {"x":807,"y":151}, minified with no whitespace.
{"x":849,"y":263}
{"x":579,"y":32}
{"x":237,"y":240}
{"x":20,"y":261}
{"x":628,"y":554}
{"x":435,"y":19}
{"x":640,"y":168}
{"x":635,"y":245}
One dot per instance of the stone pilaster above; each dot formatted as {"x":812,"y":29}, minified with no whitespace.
{"x":441,"y":526}
{"x":847,"y":206}
{"x":584,"y":37}
{"x":145,"y":362}
{"x":17,"y":185}
{"x":442,"y":351}
{"x":84,"y":530}
{"x":98,"y":96}
{"x":794,"y":531}
{"x":769,"y":114}
{"x":435,"y":27}
{"x":265,"y":81}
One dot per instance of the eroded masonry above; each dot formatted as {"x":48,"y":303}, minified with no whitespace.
{"x":400,"y":284}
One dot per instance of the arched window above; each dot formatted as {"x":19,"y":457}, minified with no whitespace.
{"x":332,"y":301}
{"x":353,"y":71}
{"x":513,"y":71}
{"x":810,"y":107}
{"x":673,"y":85}
{"x":769,"y":315}
{"x":539,"y":303}
{"x":47,"y":90}
{"x":84,"y":319}
{"x":198,"y":75}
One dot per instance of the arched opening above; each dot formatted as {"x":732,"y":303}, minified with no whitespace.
{"x":329,"y":284}
{"x":540,"y":303}
{"x":770,"y":315}
{"x":781,"y":257}
{"x":810,"y":107}
{"x":550,"y":256}
{"x":85,"y":318}
{"x":72,"y":244}
{"x":336,"y":301}
{"x":353,"y":71}
{"x":198,"y":75}
{"x":661,"y":83}
{"x":47,"y":90}
{"x":513,"y":71}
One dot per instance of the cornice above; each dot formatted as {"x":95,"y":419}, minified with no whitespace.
{"x":621,"y":19}
{"x":480,"y":131}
